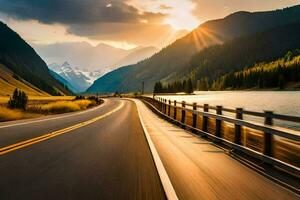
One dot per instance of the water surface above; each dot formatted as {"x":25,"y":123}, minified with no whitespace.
{"x":281,"y":102}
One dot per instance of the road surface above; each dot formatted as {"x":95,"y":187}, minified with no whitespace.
{"x":105,"y":158}
{"x":104,"y":153}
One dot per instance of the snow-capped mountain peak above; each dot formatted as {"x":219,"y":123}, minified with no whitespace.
{"x":79,"y":79}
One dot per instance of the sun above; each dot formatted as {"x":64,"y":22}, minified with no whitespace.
{"x":181,"y":15}
{"x":180,"y":23}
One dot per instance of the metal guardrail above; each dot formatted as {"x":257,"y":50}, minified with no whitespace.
{"x":242,"y":111}
{"x":234,"y":132}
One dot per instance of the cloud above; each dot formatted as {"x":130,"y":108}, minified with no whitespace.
{"x":77,"y":11}
{"x":109,"y":20}
{"x":141,"y":34}
{"x":165,"y":7}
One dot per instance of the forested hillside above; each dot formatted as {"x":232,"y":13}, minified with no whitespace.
{"x":244,"y":52}
{"x":279,"y":73}
{"x":9,"y":82}
{"x":206,"y":67}
{"x":171,"y":62}
{"x":23,"y":61}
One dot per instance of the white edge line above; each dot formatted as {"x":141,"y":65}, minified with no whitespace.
{"x":165,"y":180}
{"x":53,"y":118}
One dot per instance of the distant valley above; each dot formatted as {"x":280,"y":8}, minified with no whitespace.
{"x":80,"y":64}
{"x":21,"y":67}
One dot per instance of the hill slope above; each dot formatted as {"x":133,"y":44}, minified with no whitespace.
{"x":243,"y":52}
{"x":23,"y":61}
{"x":9,"y":82}
{"x":171,"y":61}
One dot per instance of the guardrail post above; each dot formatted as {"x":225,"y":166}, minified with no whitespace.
{"x":183,"y":114}
{"x":194,"y":117}
{"x":175,"y":110}
{"x":158,"y":103}
{"x":268,"y":138}
{"x":218,"y":122}
{"x":169,"y":110}
{"x":238,"y":128}
{"x":166,"y":106}
{"x":205,"y":118}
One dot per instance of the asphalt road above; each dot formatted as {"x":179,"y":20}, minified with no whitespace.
{"x":106,"y":157}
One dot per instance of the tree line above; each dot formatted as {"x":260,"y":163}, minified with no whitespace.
{"x":174,"y":87}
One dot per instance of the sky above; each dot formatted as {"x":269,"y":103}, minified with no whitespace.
{"x":123,"y":24}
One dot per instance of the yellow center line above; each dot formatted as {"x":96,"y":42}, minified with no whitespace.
{"x":47,"y":136}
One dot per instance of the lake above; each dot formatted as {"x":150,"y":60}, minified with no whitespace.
{"x":281,"y":102}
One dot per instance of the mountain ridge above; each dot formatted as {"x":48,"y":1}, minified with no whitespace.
{"x":21,"y":59}
{"x":171,"y":60}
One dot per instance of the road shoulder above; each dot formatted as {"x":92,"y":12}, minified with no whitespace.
{"x":200,"y":170}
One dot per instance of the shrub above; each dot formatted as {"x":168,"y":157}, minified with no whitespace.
{"x":79,"y":98}
{"x":19,"y":100}
{"x":96,"y":99}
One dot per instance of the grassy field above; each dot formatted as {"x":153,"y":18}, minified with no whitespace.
{"x":39,"y":106}
{"x":9,"y":114}
{"x":61,"y":106}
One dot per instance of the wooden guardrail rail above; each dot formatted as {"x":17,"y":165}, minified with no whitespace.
{"x":272,"y":144}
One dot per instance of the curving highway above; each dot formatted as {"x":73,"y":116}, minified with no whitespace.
{"x":100,"y":153}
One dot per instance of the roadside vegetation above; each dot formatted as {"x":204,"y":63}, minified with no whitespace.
{"x":20,"y":106}
{"x":7,"y":114}
{"x":62,"y":106}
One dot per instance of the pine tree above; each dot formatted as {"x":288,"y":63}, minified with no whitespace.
{"x":281,"y":82}
{"x":189,"y":86}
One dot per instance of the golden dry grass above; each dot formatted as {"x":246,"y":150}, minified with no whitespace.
{"x":61,"y":106}
{"x":50,"y":98}
{"x":39,"y":99}
{"x":38,"y":108}
{"x":7,"y":114}
{"x":3,"y":99}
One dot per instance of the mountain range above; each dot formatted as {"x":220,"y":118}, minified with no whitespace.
{"x":75,"y":79}
{"x":173,"y":62}
{"x":89,"y":58}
